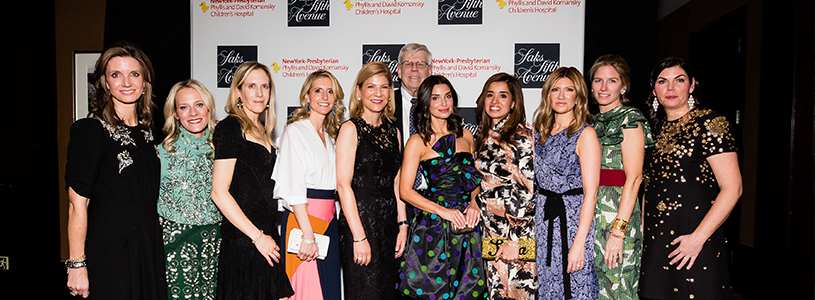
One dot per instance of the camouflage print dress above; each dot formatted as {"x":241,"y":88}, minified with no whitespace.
{"x":622,"y":281}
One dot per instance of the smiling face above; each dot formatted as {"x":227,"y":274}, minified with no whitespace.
{"x":374,"y":93}
{"x":498,"y":101}
{"x":254,"y":92}
{"x":124,"y":80}
{"x":191,"y":111}
{"x":607,"y":86}
{"x":562,"y":95}
{"x":672,"y":88}
{"x":412,"y":77}
{"x":320,"y":96}
{"x":441,"y":102}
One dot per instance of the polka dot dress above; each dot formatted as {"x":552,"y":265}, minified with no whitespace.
{"x":438,"y":264}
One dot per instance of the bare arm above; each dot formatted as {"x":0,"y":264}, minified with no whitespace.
{"x":77,"y":231}
{"x":633,"y":148}
{"x":346,"y":158}
{"x":588,"y":149}
{"x":410,"y":164}
{"x":726,"y":169}
{"x":401,"y":214}
{"x":221,"y":180}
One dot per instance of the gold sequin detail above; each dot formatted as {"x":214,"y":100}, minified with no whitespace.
{"x":661,"y":206}
{"x":691,"y":296}
{"x":676,"y":290}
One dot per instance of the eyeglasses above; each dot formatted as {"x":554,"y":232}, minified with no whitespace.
{"x":419,"y":64}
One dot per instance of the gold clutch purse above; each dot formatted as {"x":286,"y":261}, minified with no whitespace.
{"x":490,"y":246}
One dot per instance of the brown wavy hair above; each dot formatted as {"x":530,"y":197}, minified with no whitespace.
{"x":101,"y":104}
{"x":517,"y":115}
{"x":544,"y":115}
{"x":421,"y":113}
{"x":331,"y":123}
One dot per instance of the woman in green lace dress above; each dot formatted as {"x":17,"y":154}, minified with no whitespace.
{"x":624,"y":134}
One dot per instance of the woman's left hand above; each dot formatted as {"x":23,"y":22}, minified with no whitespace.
{"x":576,"y":258}
{"x":472,"y":215}
{"x":689,"y":247}
{"x":308,"y":251}
{"x":401,"y":239}
{"x":614,"y":250}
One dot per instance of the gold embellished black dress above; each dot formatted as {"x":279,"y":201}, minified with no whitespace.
{"x":680,"y":189}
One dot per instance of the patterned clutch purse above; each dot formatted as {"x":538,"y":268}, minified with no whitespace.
{"x":296,"y":237}
{"x":490,"y":246}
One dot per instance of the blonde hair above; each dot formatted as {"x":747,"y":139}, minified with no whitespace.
{"x":369,"y":70}
{"x":172,"y":125}
{"x":267,"y":117}
{"x":331,"y":123}
{"x":544,"y":115}
{"x":101,"y":104}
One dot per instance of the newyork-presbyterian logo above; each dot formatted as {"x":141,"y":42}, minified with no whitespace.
{"x":312,"y":13}
{"x":460,"y":12}
{"x":534,"y":63}
{"x":230,"y":58}
{"x":386,"y":54}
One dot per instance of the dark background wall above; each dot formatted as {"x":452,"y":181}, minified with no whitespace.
{"x":755,"y":60}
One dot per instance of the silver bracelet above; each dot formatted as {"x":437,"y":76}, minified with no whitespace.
{"x":304,"y":240}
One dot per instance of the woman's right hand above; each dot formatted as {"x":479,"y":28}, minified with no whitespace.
{"x":78,"y":282}
{"x":362,"y":253}
{"x":454,"y":216}
{"x":268,"y":248}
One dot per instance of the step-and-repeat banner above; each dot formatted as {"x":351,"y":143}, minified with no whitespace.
{"x":470,"y":40}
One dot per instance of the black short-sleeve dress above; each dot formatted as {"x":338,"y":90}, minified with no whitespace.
{"x":680,"y":189}
{"x":117,"y":168}
{"x":243,"y":272}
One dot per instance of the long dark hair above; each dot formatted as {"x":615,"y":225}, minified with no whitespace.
{"x":517,"y":115}
{"x":657,"y":117}
{"x":101,"y":104}
{"x":421,"y":113}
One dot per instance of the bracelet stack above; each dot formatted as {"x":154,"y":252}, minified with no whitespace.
{"x":620,"y":225}
{"x":304,"y":240}
{"x":76,"y":263}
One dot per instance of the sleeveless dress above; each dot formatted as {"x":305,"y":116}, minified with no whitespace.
{"x":117,"y":168}
{"x":377,"y":161}
{"x":621,"y":282}
{"x":680,"y":189}
{"x":437,"y":263}
{"x":560,"y":197}
{"x":243,"y":272}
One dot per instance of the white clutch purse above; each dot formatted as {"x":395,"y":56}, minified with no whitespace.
{"x":296,"y":237}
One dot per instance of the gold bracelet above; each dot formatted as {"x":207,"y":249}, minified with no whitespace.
{"x":620,"y":225}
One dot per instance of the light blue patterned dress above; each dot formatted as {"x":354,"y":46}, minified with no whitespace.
{"x":558,"y":176}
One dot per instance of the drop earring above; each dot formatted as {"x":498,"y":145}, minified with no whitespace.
{"x":655,"y":104}
{"x":308,"y":106}
{"x":240,"y":103}
{"x":691,"y":101}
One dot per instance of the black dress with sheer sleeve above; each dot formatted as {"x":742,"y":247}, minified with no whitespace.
{"x":118,"y":169}
{"x":243,"y":272}
{"x":378,"y":159}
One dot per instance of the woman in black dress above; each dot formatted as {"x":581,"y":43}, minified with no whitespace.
{"x":368,"y":158}
{"x":692,"y":182}
{"x":112,"y":177}
{"x":242,"y":189}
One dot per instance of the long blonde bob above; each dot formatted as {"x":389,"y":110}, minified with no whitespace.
{"x":545,"y":116}
{"x":369,"y":70}
{"x":331,"y":123}
{"x":267,"y":117}
{"x":172,"y":125}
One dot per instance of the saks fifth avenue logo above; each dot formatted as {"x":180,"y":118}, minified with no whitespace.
{"x":456,"y":12}
{"x":308,"y":13}
{"x":386,"y":54}
{"x":229,"y":58}
{"x":534,"y":63}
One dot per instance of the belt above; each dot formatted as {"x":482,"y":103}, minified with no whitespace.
{"x":320,"y":194}
{"x":556,"y":208}
{"x":609,"y":177}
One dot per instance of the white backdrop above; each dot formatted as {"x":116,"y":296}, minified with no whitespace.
{"x":466,"y":53}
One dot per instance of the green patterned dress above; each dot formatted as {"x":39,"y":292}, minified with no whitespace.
{"x":621,"y":282}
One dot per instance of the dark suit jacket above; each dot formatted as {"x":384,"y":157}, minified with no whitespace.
{"x":397,"y":97}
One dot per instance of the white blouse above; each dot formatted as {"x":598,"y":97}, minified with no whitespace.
{"x":303,"y":163}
